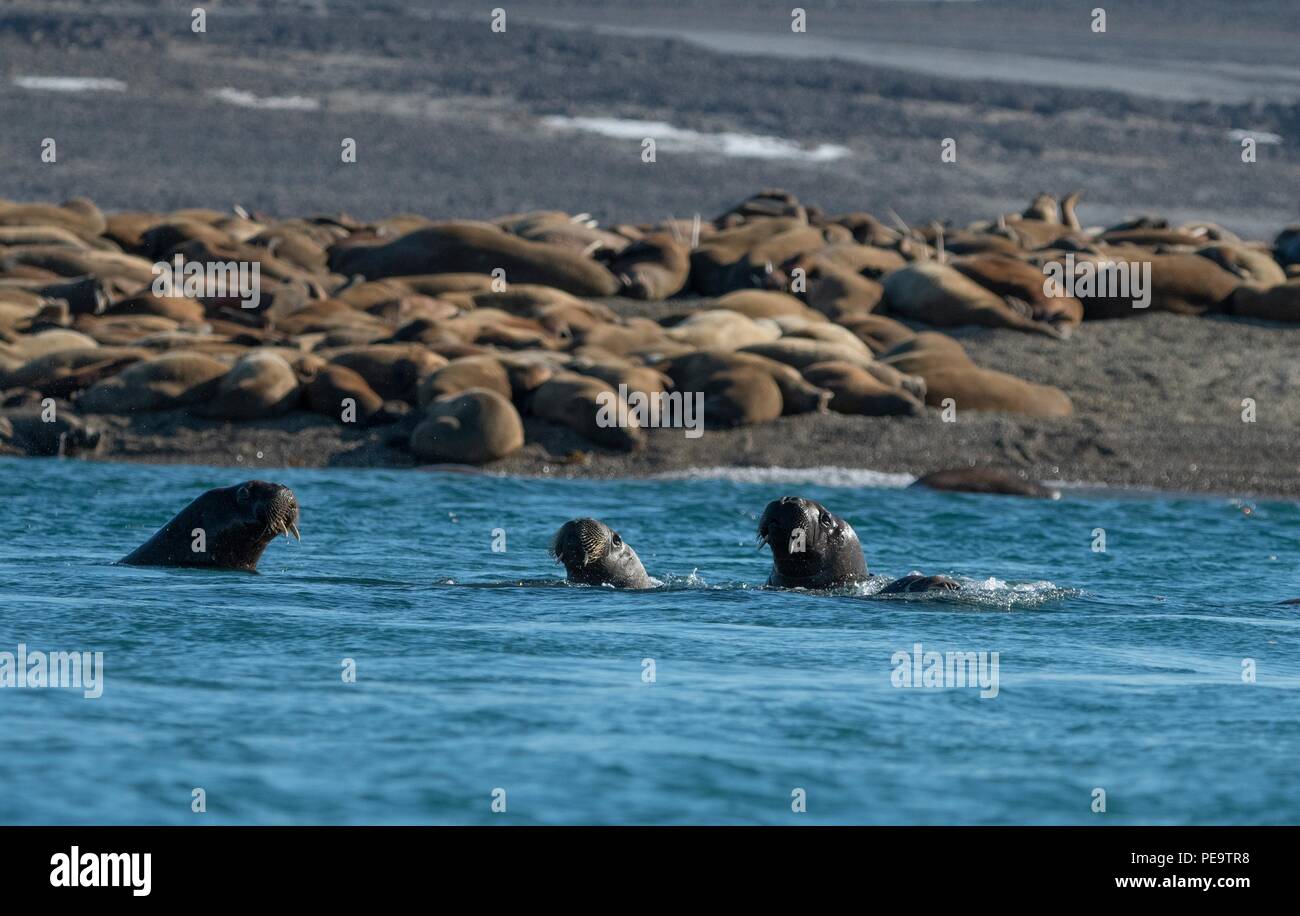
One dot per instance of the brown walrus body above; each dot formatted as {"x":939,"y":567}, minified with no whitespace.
{"x":984,"y":480}
{"x":473,"y":248}
{"x":226,"y":528}
{"x":942,"y":296}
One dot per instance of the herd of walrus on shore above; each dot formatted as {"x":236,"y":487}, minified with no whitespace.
{"x":452,"y":332}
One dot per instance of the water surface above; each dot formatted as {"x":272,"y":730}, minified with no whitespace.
{"x":479,"y":670}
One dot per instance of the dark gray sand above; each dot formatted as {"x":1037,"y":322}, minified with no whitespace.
{"x":450,"y":121}
{"x":449,"y":118}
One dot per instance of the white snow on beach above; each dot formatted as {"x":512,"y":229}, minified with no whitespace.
{"x":1259,"y":136}
{"x":745,"y":146}
{"x":69,"y":83}
{"x":279,"y":103}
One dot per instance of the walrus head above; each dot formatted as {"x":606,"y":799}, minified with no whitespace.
{"x":594,"y":554}
{"x":225,"y":528}
{"x":247,"y":517}
{"x":810,"y":545}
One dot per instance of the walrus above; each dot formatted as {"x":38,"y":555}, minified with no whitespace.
{"x":27,"y":430}
{"x":878,"y":332}
{"x":1280,"y":302}
{"x":175,"y":379}
{"x":328,"y":388}
{"x":61,"y":373}
{"x":260,"y":384}
{"x":1021,"y":281}
{"x":719,"y":329}
{"x":766,"y":204}
{"x":828,"y":331}
{"x":814,"y":548}
{"x":744,"y":388}
{"x":728,"y":261}
{"x":77,"y":215}
{"x":836,"y":291}
{"x":654,"y":267}
{"x":473,"y":248}
{"x":765,"y":303}
{"x":1186,"y":284}
{"x":579,"y":402}
{"x":225,"y":528}
{"x":974,"y":388}
{"x":940,"y":295}
{"x":1286,"y":247}
{"x":984,"y":480}
{"x":1253,"y":264}
{"x":854,"y":390}
{"x":470,"y":427}
{"x":463,"y":374}
{"x":394,"y":371}
{"x":594,"y":554}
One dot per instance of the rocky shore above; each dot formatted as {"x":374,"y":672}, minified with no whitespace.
{"x":456,"y":125}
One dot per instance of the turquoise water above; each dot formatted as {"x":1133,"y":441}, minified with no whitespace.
{"x":479,"y":670}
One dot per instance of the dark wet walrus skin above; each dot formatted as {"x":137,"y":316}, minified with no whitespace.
{"x":814,"y":548}
{"x":594,"y":554}
{"x":985,"y":480}
{"x":237,"y":523}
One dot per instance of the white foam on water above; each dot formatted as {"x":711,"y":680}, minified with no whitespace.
{"x":272,"y":102}
{"x":825,"y":476}
{"x":742,"y":146}
{"x":69,"y":83}
{"x":1260,"y":136}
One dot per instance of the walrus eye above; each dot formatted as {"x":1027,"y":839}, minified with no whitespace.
{"x":242,"y":494}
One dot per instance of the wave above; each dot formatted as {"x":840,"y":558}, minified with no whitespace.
{"x":975,"y":594}
{"x":825,"y":475}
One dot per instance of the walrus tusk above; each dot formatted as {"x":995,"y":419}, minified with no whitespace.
{"x":293,"y":527}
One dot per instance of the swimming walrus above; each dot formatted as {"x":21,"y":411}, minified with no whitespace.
{"x":594,"y":554}
{"x":225,"y":528}
{"x":814,"y":548}
{"x":984,"y":480}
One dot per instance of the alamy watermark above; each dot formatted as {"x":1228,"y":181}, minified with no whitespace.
{"x":240,"y":280}
{"x":68,"y":670}
{"x":945,"y":670}
{"x":665,"y":409}
{"x":1106,"y":279}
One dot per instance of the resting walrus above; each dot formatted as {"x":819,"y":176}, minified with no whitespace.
{"x":814,"y":548}
{"x":594,"y":554}
{"x":225,"y":528}
{"x":984,"y":480}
